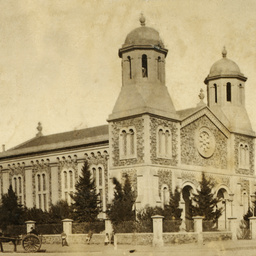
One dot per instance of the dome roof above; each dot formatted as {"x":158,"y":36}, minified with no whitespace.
{"x":224,"y":66}
{"x":143,"y":36}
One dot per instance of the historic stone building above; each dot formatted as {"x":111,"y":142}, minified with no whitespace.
{"x":158,"y":147}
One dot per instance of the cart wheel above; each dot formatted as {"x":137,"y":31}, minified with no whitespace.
{"x":31,"y":243}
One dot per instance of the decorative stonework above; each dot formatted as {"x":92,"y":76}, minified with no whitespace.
{"x":101,"y":158}
{"x":218,"y":179}
{"x":66,"y":163}
{"x":138,"y":123}
{"x":245,"y":186}
{"x":190,"y":177}
{"x":208,"y":113}
{"x":132,"y":174}
{"x":18,"y":169}
{"x":249,"y":141}
{"x":189,"y":152}
{"x":205,"y":142}
{"x":164,"y":177}
{"x":40,"y":167}
{"x":154,"y":124}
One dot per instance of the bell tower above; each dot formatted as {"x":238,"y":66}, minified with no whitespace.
{"x":143,"y":125}
{"x":226,"y":94}
{"x":143,"y":75}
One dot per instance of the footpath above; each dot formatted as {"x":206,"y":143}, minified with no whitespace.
{"x":219,"y":248}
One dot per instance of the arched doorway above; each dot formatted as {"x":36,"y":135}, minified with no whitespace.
{"x":222,"y":195}
{"x":186,"y":194}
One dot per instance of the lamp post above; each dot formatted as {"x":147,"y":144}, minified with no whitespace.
{"x":253,"y":198}
{"x":231,"y":198}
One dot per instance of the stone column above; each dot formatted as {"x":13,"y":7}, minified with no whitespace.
{"x":253,"y":227}
{"x":158,"y":230}
{"x":108,"y":227}
{"x":198,"y":227}
{"x":233,"y":227}
{"x":67,"y":226}
{"x":31,"y":224}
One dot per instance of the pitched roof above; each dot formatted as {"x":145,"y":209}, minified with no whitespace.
{"x":74,"y":138}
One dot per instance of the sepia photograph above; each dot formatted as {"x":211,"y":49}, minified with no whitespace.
{"x":128,"y":127}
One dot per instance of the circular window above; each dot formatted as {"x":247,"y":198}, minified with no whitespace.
{"x":205,"y":142}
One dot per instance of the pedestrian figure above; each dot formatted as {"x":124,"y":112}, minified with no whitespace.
{"x":106,"y":239}
{"x":64,"y":239}
{"x":89,"y":237}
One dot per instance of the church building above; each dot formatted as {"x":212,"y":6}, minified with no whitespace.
{"x":158,"y":147}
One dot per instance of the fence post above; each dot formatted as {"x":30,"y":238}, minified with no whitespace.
{"x":198,"y":227}
{"x":253,"y":227}
{"x":67,"y":227}
{"x":31,"y":224}
{"x":158,"y":230}
{"x":108,"y":226}
{"x":233,"y":227}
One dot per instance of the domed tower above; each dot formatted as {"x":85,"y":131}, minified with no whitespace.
{"x":143,"y":75}
{"x":226,"y":95}
{"x":143,"y":126}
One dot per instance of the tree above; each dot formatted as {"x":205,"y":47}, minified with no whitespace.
{"x":121,"y":208}
{"x":11,"y":212}
{"x":172,"y":210}
{"x":59,"y":211}
{"x":205,"y":204}
{"x":86,"y":200}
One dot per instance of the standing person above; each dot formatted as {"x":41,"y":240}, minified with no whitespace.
{"x":106,"y":239}
{"x":64,"y":239}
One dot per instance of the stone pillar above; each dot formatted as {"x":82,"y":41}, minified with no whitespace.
{"x":198,"y":227}
{"x":233,"y":227}
{"x":31,"y":224}
{"x":158,"y":230}
{"x":67,"y":226}
{"x":108,"y":227}
{"x":253,"y":227}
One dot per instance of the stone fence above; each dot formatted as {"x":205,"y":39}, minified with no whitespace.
{"x":157,"y":238}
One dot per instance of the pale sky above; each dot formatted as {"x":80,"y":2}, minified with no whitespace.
{"x":59,"y":60}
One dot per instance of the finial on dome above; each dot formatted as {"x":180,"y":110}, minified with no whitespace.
{"x":142,"y":20}
{"x":39,"y":128}
{"x":224,"y":52}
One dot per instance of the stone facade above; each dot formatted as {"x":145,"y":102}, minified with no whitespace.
{"x":250,"y":142}
{"x":116,"y":127}
{"x":189,"y":148}
{"x":154,"y":124}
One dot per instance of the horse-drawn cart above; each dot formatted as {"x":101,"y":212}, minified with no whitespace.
{"x":30,"y":242}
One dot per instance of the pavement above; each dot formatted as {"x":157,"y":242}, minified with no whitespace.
{"x":219,"y":248}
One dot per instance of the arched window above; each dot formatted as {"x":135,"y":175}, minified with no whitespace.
{"x":130,"y":66}
{"x":165,"y":195}
{"x":144,"y":65}
{"x":100,"y":185}
{"x":131,"y":140}
{"x":159,"y":68}
{"x":127,"y":143}
{"x":228,"y":91}
{"x":17,"y":184}
{"x":68,"y":185}
{"x":71,"y":182}
{"x":215,"y":93}
{"x":244,"y":156}
{"x":245,"y":202}
{"x":42,"y":191}
{"x":164,"y":143}
{"x":124,"y":142}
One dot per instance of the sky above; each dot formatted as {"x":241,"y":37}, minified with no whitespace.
{"x":59,"y":59}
